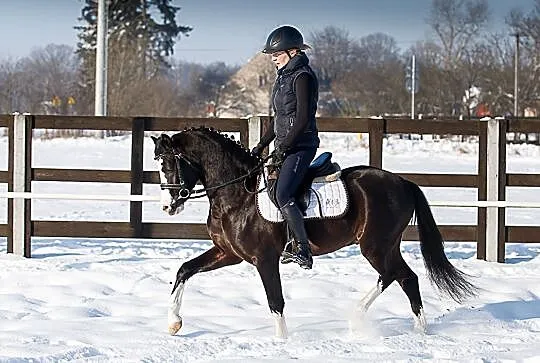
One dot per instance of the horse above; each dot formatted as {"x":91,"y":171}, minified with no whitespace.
{"x":381,"y":205}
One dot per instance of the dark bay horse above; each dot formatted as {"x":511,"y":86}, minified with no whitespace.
{"x":381,"y":206}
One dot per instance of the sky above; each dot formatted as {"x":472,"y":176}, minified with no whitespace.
{"x":232,"y":31}
{"x":105,"y":300}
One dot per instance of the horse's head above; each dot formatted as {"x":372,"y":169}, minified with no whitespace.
{"x":178,"y":175}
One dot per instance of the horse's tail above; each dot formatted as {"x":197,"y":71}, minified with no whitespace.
{"x":440,"y":271}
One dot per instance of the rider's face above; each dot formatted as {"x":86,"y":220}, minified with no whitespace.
{"x":281,"y":58}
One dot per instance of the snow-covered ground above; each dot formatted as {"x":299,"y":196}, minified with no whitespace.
{"x":106,"y":300}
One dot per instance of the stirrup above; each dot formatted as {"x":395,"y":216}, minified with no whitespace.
{"x":306,"y":264}
{"x":287,"y":256}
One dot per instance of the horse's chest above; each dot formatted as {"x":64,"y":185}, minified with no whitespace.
{"x":224,"y":234}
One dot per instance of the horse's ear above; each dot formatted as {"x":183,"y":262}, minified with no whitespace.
{"x":166,"y":141}
{"x":155,"y":139}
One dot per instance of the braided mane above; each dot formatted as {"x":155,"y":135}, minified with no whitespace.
{"x":228,"y":141}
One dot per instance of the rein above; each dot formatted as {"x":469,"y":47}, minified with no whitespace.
{"x":202,"y":192}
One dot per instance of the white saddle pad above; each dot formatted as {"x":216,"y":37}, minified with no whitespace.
{"x":326,"y":200}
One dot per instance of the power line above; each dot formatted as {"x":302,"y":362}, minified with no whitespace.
{"x":206,"y":49}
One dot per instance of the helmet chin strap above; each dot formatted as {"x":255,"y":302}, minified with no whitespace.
{"x":288,"y":55}
{"x":297,"y":51}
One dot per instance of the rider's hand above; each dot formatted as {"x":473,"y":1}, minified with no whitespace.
{"x":278,"y":156}
{"x":257,"y":150}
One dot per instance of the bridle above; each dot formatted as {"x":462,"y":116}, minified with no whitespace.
{"x":183,"y":192}
{"x":186,"y":194}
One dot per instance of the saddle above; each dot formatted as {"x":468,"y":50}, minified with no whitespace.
{"x":321,"y":194}
{"x":321,"y":170}
{"x":323,"y":166}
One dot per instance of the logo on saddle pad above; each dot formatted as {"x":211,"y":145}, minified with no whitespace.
{"x":325,"y":198}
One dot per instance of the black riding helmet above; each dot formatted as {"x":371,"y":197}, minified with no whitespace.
{"x":284,"y":38}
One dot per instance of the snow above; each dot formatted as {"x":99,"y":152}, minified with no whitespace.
{"x":106,"y":300}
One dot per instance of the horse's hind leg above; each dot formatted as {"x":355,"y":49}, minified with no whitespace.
{"x":408,"y":281}
{"x":369,"y":298}
{"x":392,"y":267}
{"x":268,"y":269}
{"x":377,"y":258}
{"x":210,"y":260}
{"x":397,"y":269}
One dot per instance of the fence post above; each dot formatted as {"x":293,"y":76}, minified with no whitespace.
{"x":377,"y":128}
{"x":20,"y":174}
{"x":502,"y":235}
{"x":137,"y":173}
{"x":482,"y":191}
{"x":254,"y":131}
{"x":495,"y":189}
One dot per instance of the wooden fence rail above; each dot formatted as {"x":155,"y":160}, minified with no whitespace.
{"x":490,"y":181}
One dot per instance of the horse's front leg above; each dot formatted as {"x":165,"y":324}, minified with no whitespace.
{"x":210,"y":260}
{"x":269,"y":271}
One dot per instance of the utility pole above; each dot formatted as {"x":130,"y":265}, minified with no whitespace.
{"x":411,"y":81}
{"x":413,"y":84}
{"x":100,"y":101}
{"x":516,"y":75}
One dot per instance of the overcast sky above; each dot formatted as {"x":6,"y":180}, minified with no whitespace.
{"x":233,"y":30}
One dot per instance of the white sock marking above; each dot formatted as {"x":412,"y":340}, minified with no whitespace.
{"x":281,"y":326}
{"x":365,"y":303}
{"x":175,"y":305}
{"x":420,"y":321}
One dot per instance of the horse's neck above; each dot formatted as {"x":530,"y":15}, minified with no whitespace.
{"x":223,"y":170}
{"x":221,"y":166}
{"x":218,"y":169}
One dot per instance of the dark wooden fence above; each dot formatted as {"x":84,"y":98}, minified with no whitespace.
{"x":375,"y":128}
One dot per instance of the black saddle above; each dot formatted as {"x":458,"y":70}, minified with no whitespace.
{"x":319,"y":167}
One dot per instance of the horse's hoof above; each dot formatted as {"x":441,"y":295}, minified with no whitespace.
{"x":175,"y":327}
{"x":421,"y":329}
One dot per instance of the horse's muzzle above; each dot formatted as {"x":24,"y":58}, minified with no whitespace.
{"x":173,"y":208}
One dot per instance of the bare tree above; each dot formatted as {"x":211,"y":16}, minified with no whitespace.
{"x":495,"y":65}
{"x":457,"y":23}
{"x":333,"y":51}
{"x":527,"y":27}
{"x":474,"y":62}
{"x":374,"y":83}
{"x":10,"y":86}
{"x":32,"y":83}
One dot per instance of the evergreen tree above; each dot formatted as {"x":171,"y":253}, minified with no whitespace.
{"x":141,"y":36}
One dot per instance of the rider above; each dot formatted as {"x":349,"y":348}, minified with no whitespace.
{"x":294,"y":99}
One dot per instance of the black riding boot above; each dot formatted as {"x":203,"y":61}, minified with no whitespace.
{"x":296,"y":250}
